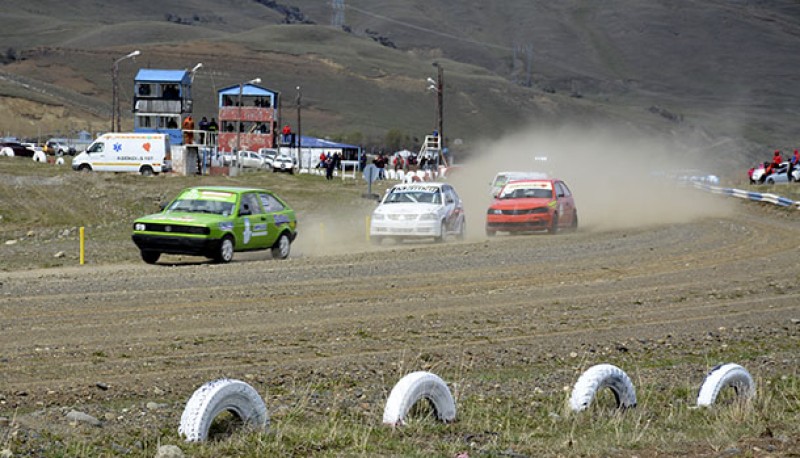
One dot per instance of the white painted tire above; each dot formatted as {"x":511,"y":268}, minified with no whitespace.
{"x":6,"y":151}
{"x":722,"y":376}
{"x":60,"y":161}
{"x":598,"y":377}
{"x":412,"y":388}
{"x":39,"y":156}
{"x":219,"y":396}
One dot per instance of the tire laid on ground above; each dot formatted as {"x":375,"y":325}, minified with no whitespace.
{"x":215,"y":397}
{"x":598,"y":377}
{"x":224,"y":252}
{"x":414,"y":387}
{"x":282,"y":247}
{"x":723,"y":376}
{"x":39,"y":156}
{"x":60,"y":161}
{"x":150,"y":257}
{"x":553,"y":229}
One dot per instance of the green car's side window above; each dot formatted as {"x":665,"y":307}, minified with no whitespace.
{"x":249,"y":205}
{"x":270,"y":203}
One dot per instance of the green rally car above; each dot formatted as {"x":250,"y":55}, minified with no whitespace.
{"x":215,"y":221}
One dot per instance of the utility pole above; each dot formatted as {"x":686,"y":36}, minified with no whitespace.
{"x":299,"y":127}
{"x":440,"y":102}
{"x":115,"y":116}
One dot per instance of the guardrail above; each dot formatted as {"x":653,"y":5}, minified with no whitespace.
{"x":750,"y":195}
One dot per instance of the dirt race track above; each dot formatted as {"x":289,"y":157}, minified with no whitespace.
{"x":95,"y":336}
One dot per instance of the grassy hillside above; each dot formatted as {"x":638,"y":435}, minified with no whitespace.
{"x":706,"y":70}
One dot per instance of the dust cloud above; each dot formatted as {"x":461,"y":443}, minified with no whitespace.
{"x":619,"y":179}
{"x":333,"y":233}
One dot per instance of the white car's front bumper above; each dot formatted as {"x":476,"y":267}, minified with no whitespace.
{"x":402,"y":226}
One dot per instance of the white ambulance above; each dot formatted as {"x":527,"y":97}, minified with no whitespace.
{"x":147,"y":154}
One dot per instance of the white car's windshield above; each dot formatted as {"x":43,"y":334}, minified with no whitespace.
{"x":426,"y":197}
{"x":201,"y":206}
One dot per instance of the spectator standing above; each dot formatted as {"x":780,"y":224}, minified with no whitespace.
{"x":212,"y":130}
{"x":330,"y":164}
{"x":380,"y":163}
{"x":287,"y":135}
{"x":793,"y":163}
{"x":337,"y":161}
{"x":203,"y":129}
{"x":776,"y":162}
{"x":188,"y":127}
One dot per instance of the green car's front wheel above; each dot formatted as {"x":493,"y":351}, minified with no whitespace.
{"x":150,"y":257}
{"x":225,"y":251}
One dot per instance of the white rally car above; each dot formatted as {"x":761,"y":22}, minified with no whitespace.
{"x":418,"y":210}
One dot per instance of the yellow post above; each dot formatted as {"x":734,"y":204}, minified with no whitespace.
{"x":366,"y":218}
{"x":83,"y":245}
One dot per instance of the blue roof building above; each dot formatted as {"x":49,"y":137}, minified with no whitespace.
{"x":161,"y":100}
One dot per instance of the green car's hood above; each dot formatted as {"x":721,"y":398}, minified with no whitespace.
{"x":194,"y":219}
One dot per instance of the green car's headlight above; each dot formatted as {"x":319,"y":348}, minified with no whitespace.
{"x":226,"y":226}
{"x":139,"y":227}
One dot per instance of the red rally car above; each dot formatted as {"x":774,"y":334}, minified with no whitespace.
{"x":532,"y":205}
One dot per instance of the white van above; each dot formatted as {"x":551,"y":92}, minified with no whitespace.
{"x":147,"y":154}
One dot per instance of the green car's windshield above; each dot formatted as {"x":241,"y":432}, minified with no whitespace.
{"x":201,"y":206}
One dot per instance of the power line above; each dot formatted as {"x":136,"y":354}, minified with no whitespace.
{"x":424,"y":29}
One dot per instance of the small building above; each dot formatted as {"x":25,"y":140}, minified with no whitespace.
{"x":161,"y":100}
{"x":247,"y":118}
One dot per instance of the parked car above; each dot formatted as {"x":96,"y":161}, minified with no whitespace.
{"x":15,"y":149}
{"x":283,"y":163}
{"x":532,"y":205}
{"x":418,"y":210}
{"x":504,"y":177}
{"x":269,"y":155}
{"x":215,"y":222}
{"x":57,"y":148}
{"x":251,"y":159}
{"x":690,"y":176}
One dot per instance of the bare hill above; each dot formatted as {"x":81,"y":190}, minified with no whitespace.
{"x":706,"y":71}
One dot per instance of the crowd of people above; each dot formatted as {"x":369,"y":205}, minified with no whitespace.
{"x":205,"y":126}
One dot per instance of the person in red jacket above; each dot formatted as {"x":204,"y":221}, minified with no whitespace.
{"x":287,"y":134}
{"x":773,"y":166}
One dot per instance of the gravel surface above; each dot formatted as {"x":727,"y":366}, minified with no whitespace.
{"x":127,"y":344}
